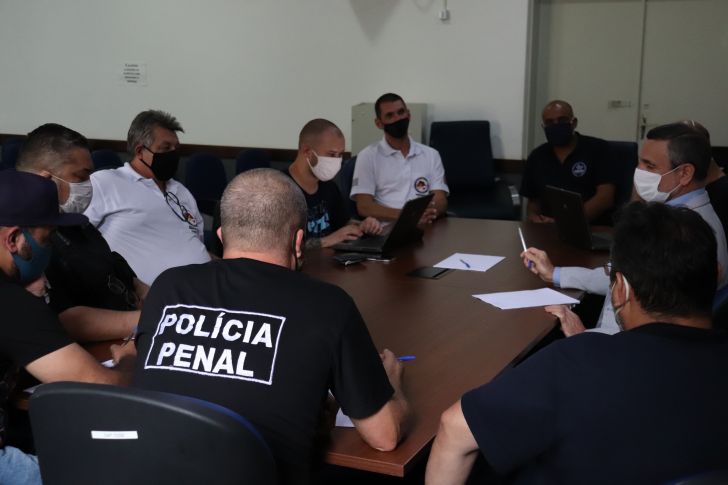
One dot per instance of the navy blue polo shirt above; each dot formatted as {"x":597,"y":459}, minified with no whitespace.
{"x":643,"y":406}
{"x":586,"y":167}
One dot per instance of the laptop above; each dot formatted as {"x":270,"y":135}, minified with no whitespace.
{"x":567,"y":208}
{"x":403,"y":232}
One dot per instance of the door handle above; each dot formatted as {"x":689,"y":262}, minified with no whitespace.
{"x":643,"y":127}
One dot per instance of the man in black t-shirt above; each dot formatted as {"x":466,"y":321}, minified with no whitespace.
{"x":250,"y":334}
{"x":92,"y":289}
{"x":571,"y":161}
{"x":320,"y":149}
{"x":716,"y":183}
{"x":30,"y":334}
{"x":646,"y":405}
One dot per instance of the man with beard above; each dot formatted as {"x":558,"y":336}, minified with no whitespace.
{"x":397,"y":168}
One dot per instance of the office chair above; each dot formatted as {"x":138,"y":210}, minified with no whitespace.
{"x":105,"y":159}
{"x":343,"y":180}
{"x":10,"y":150}
{"x":205,"y":178}
{"x":95,"y":433}
{"x":250,"y":159}
{"x":475,"y":190}
{"x":718,"y":477}
{"x":623,"y":154}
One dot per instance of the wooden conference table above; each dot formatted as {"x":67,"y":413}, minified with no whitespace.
{"x":459,"y":342}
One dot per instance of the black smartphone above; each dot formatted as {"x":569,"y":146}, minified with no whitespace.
{"x":348,"y":259}
{"x":428,"y":272}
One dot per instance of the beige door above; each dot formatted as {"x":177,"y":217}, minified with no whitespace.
{"x":629,"y":65}
{"x":685,"y":67}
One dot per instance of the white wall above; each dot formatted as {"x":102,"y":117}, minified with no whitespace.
{"x":251,"y":72}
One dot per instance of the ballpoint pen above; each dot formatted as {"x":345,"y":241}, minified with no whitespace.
{"x":406,"y":358}
{"x":523,"y":243}
{"x":465,"y":263}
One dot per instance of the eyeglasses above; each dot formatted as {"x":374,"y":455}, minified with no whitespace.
{"x":117,"y":287}
{"x":180,"y":211}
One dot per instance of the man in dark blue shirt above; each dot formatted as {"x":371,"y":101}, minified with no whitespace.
{"x":646,"y":405}
{"x":571,"y":161}
{"x":320,"y":152}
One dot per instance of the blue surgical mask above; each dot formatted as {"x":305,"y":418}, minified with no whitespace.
{"x":32,"y":269}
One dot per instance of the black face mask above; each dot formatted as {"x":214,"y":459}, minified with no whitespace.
{"x":398,"y":129}
{"x":560,"y":134}
{"x":164,"y":165}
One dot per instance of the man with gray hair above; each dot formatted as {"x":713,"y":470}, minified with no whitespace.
{"x":144,"y":214}
{"x":250,"y":333}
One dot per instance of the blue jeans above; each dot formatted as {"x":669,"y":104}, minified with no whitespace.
{"x":18,"y":468}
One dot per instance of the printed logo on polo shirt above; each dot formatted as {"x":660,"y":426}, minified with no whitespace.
{"x":578,"y":169}
{"x":216,"y":342}
{"x":422,"y":185}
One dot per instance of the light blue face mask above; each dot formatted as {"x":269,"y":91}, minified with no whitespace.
{"x":32,"y":269}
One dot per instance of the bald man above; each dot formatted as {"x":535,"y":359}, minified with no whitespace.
{"x":251,"y":333}
{"x":320,"y":150}
{"x":571,"y":161}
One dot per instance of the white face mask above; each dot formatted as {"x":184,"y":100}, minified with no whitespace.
{"x":646,"y":183}
{"x":626,"y":297}
{"x":79,"y":196}
{"x":326,"y":168}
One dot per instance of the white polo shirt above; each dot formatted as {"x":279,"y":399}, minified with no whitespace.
{"x":133,"y":216}
{"x":393,"y":179}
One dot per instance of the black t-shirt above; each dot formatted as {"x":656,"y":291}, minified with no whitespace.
{"x":643,"y":406}
{"x":583,"y":170}
{"x":326,"y":210}
{"x":84,"y":271}
{"x":264,"y":341}
{"x":718,"y":193}
{"x":28,"y":330}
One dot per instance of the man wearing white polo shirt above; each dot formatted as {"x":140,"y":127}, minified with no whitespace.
{"x":397,"y":168}
{"x":145,"y":215}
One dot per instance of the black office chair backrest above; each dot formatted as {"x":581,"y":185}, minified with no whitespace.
{"x":466,"y":153}
{"x":10,"y":150}
{"x":344,"y":179}
{"x":92,"y":433}
{"x":623,"y":154}
{"x":252,"y":158}
{"x":105,"y":158}
{"x":206,"y":179}
{"x":717,"y":477}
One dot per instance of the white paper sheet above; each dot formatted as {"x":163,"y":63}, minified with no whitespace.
{"x":510,"y":300}
{"x":470,"y":262}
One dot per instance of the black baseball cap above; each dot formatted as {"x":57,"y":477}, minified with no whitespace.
{"x":27,"y":199}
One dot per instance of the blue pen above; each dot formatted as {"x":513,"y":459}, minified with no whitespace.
{"x":465,"y":263}
{"x":406,"y":358}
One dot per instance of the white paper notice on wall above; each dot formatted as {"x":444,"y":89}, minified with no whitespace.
{"x":134,"y":74}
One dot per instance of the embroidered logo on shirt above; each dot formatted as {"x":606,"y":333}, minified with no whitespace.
{"x":216,"y":342}
{"x":578,"y":169}
{"x":422,"y":185}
